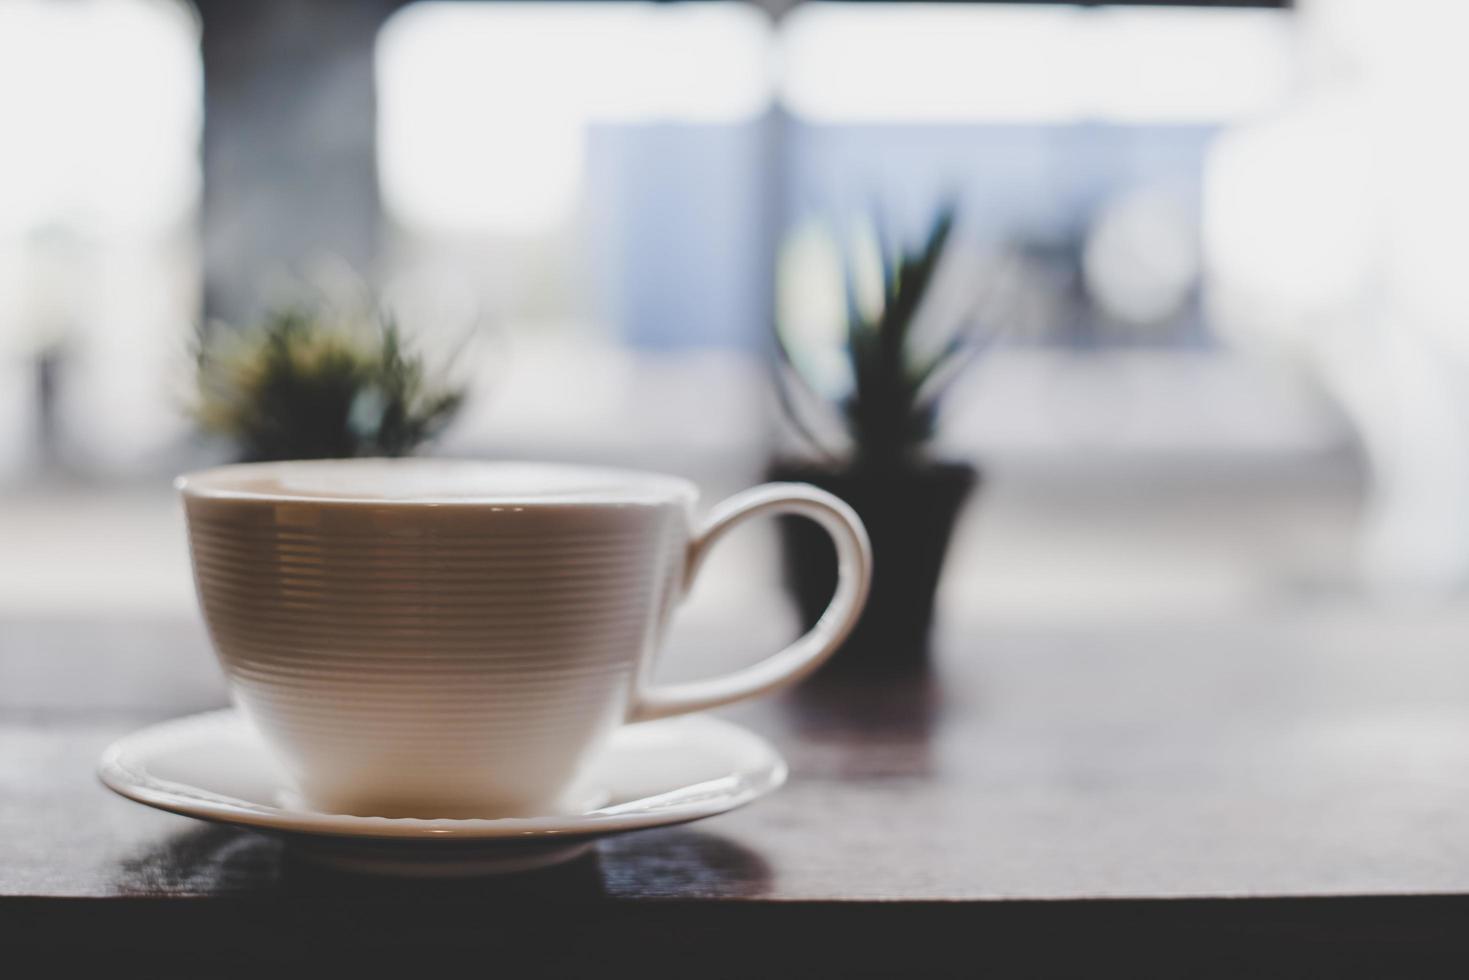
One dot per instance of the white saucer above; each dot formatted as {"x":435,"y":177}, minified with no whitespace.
{"x":214,"y":767}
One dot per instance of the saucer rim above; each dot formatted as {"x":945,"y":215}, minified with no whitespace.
{"x":682,"y":804}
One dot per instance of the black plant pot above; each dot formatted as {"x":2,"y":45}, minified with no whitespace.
{"x":910,"y":514}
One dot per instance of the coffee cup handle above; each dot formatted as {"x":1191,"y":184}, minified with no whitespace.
{"x":854,"y":578}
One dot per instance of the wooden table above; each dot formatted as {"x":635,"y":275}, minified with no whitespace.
{"x":1189,"y":798}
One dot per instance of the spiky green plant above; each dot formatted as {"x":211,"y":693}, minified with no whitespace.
{"x":884,"y":387}
{"x":309,"y":384}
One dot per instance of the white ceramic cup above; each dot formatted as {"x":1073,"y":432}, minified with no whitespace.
{"x":440,"y":638}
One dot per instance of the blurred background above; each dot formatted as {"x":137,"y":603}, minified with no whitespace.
{"x":1222,"y":242}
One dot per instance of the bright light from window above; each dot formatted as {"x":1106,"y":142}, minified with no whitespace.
{"x":1046,"y":64}
{"x":483,"y":108}
{"x":99,"y":115}
{"x":101,"y":103}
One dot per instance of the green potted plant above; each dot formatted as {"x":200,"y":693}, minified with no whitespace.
{"x":861,"y":377}
{"x":308,"y":383}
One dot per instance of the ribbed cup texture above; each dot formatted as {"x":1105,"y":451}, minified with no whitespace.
{"x":435,"y":660}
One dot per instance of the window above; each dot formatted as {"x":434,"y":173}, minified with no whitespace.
{"x":626,"y":170}
{"x":595,"y":167}
{"x":1075,"y":139}
{"x":100,"y":110}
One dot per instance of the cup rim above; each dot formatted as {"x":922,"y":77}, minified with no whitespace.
{"x":631,"y":487}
